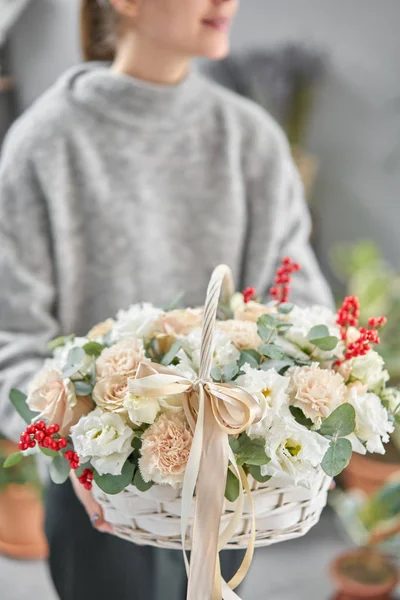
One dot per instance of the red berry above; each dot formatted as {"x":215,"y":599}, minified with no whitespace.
{"x":87,"y":485}
{"x":62,"y":442}
{"x":32,"y":444}
{"x":74,"y":465}
{"x":39,"y":436}
{"x":22,"y":446}
{"x":31,"y":429}
{"x":54,"y":445}
{"x":40,"y":425}
{"x":76,"y":457}
{"x":47,"y":442}
{"x":69,"y":455}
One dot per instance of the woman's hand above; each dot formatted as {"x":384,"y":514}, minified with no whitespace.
{"x":93,"y":509}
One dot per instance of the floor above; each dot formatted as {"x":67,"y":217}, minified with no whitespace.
{"x":296,"y":570}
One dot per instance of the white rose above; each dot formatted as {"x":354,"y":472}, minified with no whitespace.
{"x":372,"y":420}
{"x":369,"y":369}
{"x":270,"y":390}
{"x":141,"y":409}
{"x":140,"y":321}
{"x":224,"y":351}
{"x":303,"y":320}
{"x":104,"y":439}
{"x":295,"y":452}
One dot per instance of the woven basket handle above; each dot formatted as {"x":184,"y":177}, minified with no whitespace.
{"x":221,"y":284}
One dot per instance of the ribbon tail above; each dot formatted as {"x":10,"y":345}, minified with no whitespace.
{"x":210,"y":493}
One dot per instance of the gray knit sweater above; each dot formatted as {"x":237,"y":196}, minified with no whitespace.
{"x":114,"y":191}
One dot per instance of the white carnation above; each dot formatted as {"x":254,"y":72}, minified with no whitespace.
{"x":372,"y":420}
{"x":369,"y":369}
{"x":104,"y":439}
{"x":270,"y":390}
{"x":224,"y":351}
{"x":140,"y":321}
{"x":304,"y":319}
{"x":295,"y":452}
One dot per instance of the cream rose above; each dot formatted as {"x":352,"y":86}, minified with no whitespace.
{"x":100,"y":330}
{"x":243,"y":334}
{"x":121,"y":359}
{"x":55,"y":399}
{"x":179,"y":322}
{"x":104,"y":439}
{"x":316,"y":391}
{"x":109,"y":393}
{"x":369,"y":369}
{"x":252,"y":311}
{"x":141,"y":409}
{"x":165,"y":450}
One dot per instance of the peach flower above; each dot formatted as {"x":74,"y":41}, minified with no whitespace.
{"x":101,"y":329}
{"x":109,"y":393}
{"x":121,"y":359}
{"x":180,"y":321}
{"x":165,"y":450}
{"x":316,"y":391}
{"x":252,"y":311}
{"x":242,"y":334}
{"x":55,"y":399}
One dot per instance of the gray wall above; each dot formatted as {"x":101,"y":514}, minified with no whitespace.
{"x":355,"y":129}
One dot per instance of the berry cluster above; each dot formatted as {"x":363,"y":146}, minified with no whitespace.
{"x":348,"y":314}
{"x":249,"y":294}
{"x":280,"y":291}
{"x":86,"y":479}
{"x":73,"y":459}
{"x":363,"y":344}
{"x":377,"y":322}
{"x":46,"y":437}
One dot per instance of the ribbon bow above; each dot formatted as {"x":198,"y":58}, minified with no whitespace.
{"x":214,"y":411}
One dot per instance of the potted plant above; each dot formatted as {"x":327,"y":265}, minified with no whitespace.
{"x":367,"y":572}
{"x":21,"y":507}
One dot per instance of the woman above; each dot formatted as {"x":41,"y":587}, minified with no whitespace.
{"x":130,"y":182}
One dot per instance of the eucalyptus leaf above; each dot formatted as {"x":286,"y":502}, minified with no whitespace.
{"x":71,"y":370}
{"x":59,"y":469}
{"x":327,"y":343}
{"x":176,"y":302}
{"x":83,"y":388}
{"x":255,"y":472}
{"x":300,"y":417}
{"x":93,"y":348}
{"x":281,"y":366}
{"x":337,"y":457}
{"x":18,"y":400}
{"x":271,"y":351}
{"x":252,"y":357}
{"x":232,"y":487}
{"x":265,"y":326}
{"x":114,"y":484}
{"x":285,"y":308}
{"x":252,"y":452}
{"x":226,"y":311}
{"x":171,"y":354}
{"x":230,"y":371}
{"x":234,"y":444}
{"x":139,"y":482}
{"x":75,"y":356}
{"x":60,"y":341}
{"x":340,"y":423}
{"x":13,"y":460}
{"x":318,"y":332}
{"x":48,"y":452}
{"x":216,"y":374}
{"x":284,"y":326}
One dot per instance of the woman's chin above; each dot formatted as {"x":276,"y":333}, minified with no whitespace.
{"x":216,"y":51}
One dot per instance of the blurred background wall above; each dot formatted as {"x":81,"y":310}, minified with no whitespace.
{"x":355,"y":125}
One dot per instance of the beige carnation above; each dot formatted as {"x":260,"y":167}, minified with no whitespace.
{"x":316,"y":391}
{"x":165,"y":450}
{"x":109,"y":393}
{"x":55,"y":399}
{"x":243,"y":334}
{"x":179,"y":322}
{"x":101,"y":329}
{"x":121,"y":359}
{"x":252,"y":311}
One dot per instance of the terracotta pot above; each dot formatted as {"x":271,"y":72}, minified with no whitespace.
{"x":364,"y":574}
{"x":368,"y":474}
{"x":21,"y":520}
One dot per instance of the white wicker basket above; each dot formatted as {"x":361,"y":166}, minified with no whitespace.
{"x":153,"y":517}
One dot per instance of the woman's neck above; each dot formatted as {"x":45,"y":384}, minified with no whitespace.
{"x":146,"y":61}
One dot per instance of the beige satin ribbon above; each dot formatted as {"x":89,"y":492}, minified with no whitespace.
{"x":214,"y":411}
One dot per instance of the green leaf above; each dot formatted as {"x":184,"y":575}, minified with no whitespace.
{"x":252,"y":357}
{"x":271,"y":351}
{"x":340,"y":423}
{"x":175,"y":302}
{"x":114,"y":484}
{"x":18,"y":400}
{"x":265,"y":326}
{"x":234,"y":444}
{"x":216,"y":374}
{"x":83,"y":388}
{"x":397,"y":418}
{"x":232,"y":487}
{"x":75,"y":362}
{"x":300,"y":417}
{"x":48,"y":452}
{"x":139,"y":482}
{"x":172,"y":352}
{"x":279,"y":365}
{"x":318,"y":332}
{"x":59,"y":469}
{"x":230,"y":371}
{"x":226,"y":311}
{"x":255,"y":472}
{"x":93,"y":348}
{"x":252,"y":452}
{"x":328,"y":343}
{"x":337,"y":457}
{"x":285,"y":308}
{"x":284,"y":326}
{"x":13,"y":460}
{"x":60,"y":341}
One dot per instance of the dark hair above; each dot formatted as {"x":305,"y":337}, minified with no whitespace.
{"x":98,"y":25}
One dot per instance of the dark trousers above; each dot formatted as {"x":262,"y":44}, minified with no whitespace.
{"x":88,"y":565}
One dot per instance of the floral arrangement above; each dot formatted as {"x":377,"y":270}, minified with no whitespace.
{"x":320,"y":386}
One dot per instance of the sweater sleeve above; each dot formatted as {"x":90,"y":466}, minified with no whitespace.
{"x":279,"y":222}
{"x":27,"y":290}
